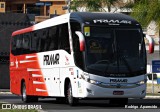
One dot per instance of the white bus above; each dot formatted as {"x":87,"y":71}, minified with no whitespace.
{"x":80,"y":55}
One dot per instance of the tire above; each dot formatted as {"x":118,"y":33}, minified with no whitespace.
{"x":70,"y":99}
{"x":119,"y":101}
{"x":26,"y":98}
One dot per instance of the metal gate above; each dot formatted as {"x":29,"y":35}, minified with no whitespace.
{"x":9,"y":22}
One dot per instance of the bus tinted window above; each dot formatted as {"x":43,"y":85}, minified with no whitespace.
{"x":34,"y":42}
{"x":26,"y":44}
{"x":42,"y":40}
{"x":64,"y":38}
{"x":78,"y":57}
{"x":13,"y":45}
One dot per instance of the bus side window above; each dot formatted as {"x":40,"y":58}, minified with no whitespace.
{"x":53,"y":36}
{"x":64,"y":38}
{"x":47,"y":40}
{"x":41,"y":41}
{"x":19,"y":47}
{"x":13,"y":45}
{"x":34,"y":42}
{"x":26,"y":43}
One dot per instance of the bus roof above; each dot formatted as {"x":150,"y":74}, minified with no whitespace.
{"x":104,"y":18}
{"x":47,"y":23}
{"x":83,"y":17}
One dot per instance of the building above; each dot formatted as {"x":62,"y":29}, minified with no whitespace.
{"x":42,"y":9}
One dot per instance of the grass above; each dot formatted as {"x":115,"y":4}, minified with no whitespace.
{"x":157,"y":85}
{"x":153,"y":94}
{"x":16,"y":110}
{"x":156,"y":89}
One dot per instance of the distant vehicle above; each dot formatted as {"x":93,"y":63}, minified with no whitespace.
{"x":80,"y":55}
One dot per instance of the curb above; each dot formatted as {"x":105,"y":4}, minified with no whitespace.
{"x":5,"y":93}
{"x":151,"y":97}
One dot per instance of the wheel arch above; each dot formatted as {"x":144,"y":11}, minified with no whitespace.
{"x":66,"y":83}
{"x":22,"y":81}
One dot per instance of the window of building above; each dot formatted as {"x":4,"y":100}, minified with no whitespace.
{"x":2,"y":5}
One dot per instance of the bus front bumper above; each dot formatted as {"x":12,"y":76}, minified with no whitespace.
{"x":94,"y":91}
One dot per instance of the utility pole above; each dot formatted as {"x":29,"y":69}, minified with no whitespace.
{"x":67,"y":7}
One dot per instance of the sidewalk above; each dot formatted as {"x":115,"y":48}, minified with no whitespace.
{"x":5,"y":91}
{"x":152,"y":97}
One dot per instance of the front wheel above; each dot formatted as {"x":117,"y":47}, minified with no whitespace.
{"x":71,"y":100}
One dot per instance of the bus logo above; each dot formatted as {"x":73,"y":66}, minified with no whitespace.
{"x":112,"y":21}
{"x":51,"y":59}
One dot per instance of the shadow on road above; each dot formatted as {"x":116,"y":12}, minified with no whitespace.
{"x":50,"y":103}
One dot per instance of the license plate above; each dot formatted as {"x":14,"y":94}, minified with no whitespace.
{"x":118,"y":92}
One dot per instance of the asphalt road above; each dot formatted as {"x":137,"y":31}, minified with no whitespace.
{"x":49,"y":104}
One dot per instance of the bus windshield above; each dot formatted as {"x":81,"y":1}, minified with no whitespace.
{"x":115,"y":52}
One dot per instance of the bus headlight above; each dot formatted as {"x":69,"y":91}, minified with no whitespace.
{"x":95,"y":82}
{"x":85,"y":77}
{"x":142,"y":82}
{"x":98,"y":83}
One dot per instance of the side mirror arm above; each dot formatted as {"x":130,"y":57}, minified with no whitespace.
{"x":81,"y":40}
{"x":151,"y":43}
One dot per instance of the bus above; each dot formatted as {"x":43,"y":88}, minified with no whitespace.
{"x":80,"y":55}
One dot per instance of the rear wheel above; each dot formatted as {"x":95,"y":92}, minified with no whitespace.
{"x":26,"y":98}
{"x":71,"y":100}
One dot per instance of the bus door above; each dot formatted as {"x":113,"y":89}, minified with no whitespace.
{"x":52,"y":81}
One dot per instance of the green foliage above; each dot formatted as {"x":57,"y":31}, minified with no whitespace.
{"x":93,"y":5}
{"x":147,"y":10}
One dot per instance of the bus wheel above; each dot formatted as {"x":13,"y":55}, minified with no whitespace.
{"x":25,"y":97}
{"x":119,"y":101}
{"x":71,"y":100}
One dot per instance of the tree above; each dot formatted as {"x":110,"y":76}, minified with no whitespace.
{"x":96,"y":5}
{"x":146,"y":11}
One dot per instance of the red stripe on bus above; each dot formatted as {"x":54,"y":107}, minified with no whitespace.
{"x":25,"y":30}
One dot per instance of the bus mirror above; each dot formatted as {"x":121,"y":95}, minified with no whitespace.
{"x":151,"y":43}
{"x":81,"y":40}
